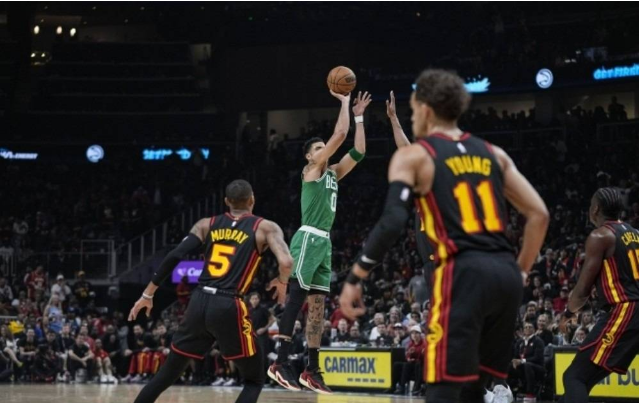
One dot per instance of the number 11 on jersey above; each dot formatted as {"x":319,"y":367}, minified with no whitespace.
{"x":469,"y":218}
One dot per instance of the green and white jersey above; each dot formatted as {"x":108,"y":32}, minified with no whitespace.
{"x":319,"y":201}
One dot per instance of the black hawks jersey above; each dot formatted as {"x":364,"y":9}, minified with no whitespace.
{"x":618,"y":279}
{"x":466,"y":208}
{"x":232,"y":257}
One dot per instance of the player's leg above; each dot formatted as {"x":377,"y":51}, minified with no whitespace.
{"x":503,"y":291}
{"x":461,"y":293}
{"x":175,"y":365}
{"x":314,"y":327}
{"x":612,"y":343}
{"x":307,"y":257}
{"x":281,"y":371}
{"x":298,"y":290}
{"x":252,"y":370}
{"x":320,"y":287}
{"x":231,"y":325}
{"x":580,"y":377}
{"x":191,"y":340}
{"x":443,"y":392}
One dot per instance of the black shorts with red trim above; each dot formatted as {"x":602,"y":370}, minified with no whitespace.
{"x":215,"y":317}
{"x":614,"y":340}
{"x":474,"y":305}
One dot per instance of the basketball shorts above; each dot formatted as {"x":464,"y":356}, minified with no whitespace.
{"x":311,"y":250}
{"x":215,"y":317}
{"x":471,"y":325}
{"x":614,"y":340}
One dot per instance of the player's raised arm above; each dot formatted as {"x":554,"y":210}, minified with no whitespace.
{"x":406,"y":165}
{"x":191,"y":243}
{"x":273,"y":237}
{"x":521,"y":194}
{"x":401,"y":140}
{"x":356,"y":154}
{"x":340,"y":133}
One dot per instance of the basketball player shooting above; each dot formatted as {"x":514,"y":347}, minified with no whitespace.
{"x":311,"y":245}
{"x":460,"y":184}
{"x":234,"y":243}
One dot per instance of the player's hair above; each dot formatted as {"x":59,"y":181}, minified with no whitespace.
{"x":308,"y":143}
{"x":444,"y":91}
{"x":610,"y":202}
{"x":254,"y":293}
{"x":238,"y":191}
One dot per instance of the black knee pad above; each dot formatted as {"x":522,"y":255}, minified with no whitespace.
{"x":444,"y":392}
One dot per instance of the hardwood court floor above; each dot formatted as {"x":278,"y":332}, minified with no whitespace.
{"x":62,"y":393}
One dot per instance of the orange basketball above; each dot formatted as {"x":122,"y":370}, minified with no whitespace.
{"x":341,"y":80}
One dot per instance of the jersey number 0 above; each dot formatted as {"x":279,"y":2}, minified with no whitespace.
{"x":220,"y":262}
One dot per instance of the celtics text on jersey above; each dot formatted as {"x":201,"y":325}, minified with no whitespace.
{"x":319,"y":201}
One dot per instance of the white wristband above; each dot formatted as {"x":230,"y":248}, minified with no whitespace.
{"x":359,"y":119}
{"x":147,"y":296}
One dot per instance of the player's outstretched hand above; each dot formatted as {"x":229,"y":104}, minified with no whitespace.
{"x":341,"y":97}
{"x":350,"y":301}
{"x":391,"y":110}
{"x":140,"y":305}
{"x":278,"y":288}
{"x":361,"y":102}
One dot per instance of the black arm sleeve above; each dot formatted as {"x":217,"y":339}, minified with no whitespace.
{"x":188,"y":245}
{"x":389,"y":227}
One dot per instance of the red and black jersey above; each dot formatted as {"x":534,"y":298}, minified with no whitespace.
{"x":466,"y":207}
{"x":618,"y":279}
{"x":232,"y":256}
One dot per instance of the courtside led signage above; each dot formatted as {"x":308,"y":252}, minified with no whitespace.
{"x":159,"y":154}
{"x":604,"y":73}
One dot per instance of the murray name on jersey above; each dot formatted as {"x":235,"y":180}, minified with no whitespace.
{"x":227,"y":234}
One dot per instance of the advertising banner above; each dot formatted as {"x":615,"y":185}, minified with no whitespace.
{"x":614,"y":386}
{"x":356,"y":369}
{"x":190,"y":268}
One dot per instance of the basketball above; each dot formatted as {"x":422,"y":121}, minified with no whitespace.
{"x":341,"y":79}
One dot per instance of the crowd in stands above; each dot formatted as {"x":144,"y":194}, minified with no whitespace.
{"x":41,"y":210}
{"x":58,"y":333}
{"x":396,"y":295}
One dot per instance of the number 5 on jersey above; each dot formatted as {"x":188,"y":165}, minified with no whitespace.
{"x":220,"y":262}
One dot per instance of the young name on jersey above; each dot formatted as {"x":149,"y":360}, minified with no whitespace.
{"x":466,"y":164}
